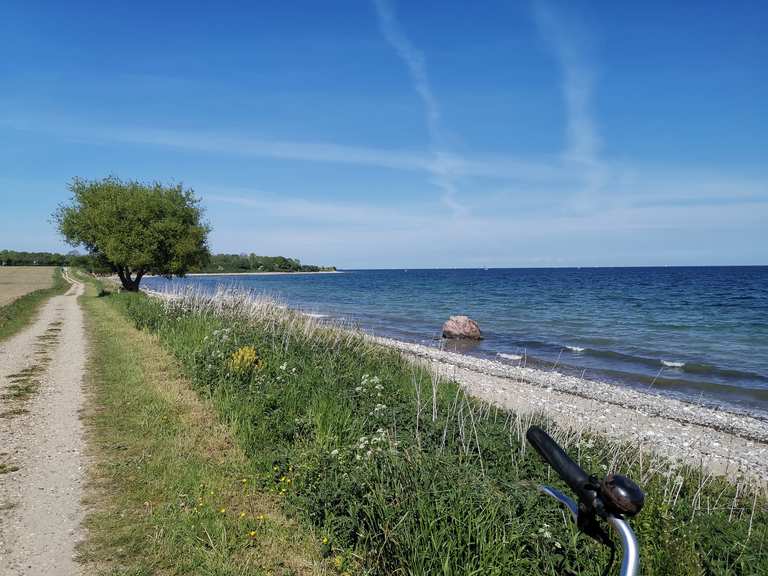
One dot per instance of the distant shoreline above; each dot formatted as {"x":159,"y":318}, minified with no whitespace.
{"x":245,"y":273}
{"x":262,"y":273}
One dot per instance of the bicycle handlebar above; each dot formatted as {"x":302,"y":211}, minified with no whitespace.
{"x":566,"y":468}
{"x":613,"y":499}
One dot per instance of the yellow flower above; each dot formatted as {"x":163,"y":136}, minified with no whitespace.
{"x":325,"y":540}
{"x":223,"y":510}
{"x":260,"y":516}
{"x":242,"y":514}
{"x":252,"y":533}
{"x":244,"y":360}
{"x":244,"y":480}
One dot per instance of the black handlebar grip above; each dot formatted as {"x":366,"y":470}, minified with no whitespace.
{"x":567,"y":469}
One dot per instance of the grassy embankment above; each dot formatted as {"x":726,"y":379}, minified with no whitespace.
{"x":20,"y":297}
{"x":397,"y":473}
{"x":171,"y":492}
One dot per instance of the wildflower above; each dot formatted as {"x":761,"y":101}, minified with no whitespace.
{"x":222,"y":510}
{"x":335,"y":452}
{"x":242,"y":514}
{"x":260,"y":517}
{"x":252,"y":533}
{"x":283,"y":366}
{"x":325,"y":539}
{"x":244,"y":360}
{"x":244,"y":480}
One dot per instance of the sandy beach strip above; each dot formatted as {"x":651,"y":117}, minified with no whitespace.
{"x":116,"y":279}
{"x":720,"y":441}
{"x":262,"y":273}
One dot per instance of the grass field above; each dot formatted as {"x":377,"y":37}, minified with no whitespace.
{"x":23,"y":290}
{"x":172,"y":492}
{"x":16,"y":281}
{"x":398,"y":473}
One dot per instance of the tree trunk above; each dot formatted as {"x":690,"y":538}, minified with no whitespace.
{"x":129,"y":284}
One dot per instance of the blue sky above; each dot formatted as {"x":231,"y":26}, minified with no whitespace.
{"x":403,"y":134}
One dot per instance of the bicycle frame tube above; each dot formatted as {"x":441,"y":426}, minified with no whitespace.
{"x":630,"y":562}
{"x":557,"y":495}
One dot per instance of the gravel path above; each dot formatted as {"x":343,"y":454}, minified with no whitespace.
{"x":41,"y":435}
{"x":726,"y":443}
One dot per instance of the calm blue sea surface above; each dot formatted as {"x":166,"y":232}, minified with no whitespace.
{"x":697,"y":332}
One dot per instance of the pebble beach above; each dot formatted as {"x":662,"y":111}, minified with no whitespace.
{"x":723,"y":442}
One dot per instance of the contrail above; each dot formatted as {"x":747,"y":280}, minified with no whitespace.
{"x":414,"y":60}
{"x":568,"y":42}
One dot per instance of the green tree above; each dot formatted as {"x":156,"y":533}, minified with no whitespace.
{"x":135,"y":228}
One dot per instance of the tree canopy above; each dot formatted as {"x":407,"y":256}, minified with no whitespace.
{"x":135,"y":228}
{"x":253,"y":263}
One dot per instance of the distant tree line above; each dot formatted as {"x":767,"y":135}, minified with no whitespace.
{"x":255,"y":263}
{"x":74,"y":259}
{"x":217,"y":262}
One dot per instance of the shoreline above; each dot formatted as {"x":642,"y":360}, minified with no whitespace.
{"x":727,"y":443}
{"x":258,"y":273}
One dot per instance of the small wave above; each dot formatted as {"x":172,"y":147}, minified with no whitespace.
{"x":514,"y":357}
{"x":313,"y":315}
{"x":576,"y":349}
{"x":671,"y":364}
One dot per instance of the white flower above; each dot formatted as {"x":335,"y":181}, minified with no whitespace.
{"x":335,"y":452}
{"x":283,"y":366}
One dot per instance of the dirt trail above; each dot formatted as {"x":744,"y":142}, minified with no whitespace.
{"x":41,"y":441}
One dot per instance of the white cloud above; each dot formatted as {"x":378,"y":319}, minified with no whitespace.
{"x":362,"y":235}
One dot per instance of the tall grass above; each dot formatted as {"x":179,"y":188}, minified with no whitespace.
{"x":405,"y":474}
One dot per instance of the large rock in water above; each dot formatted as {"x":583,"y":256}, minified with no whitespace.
{"x":462,"y":327}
